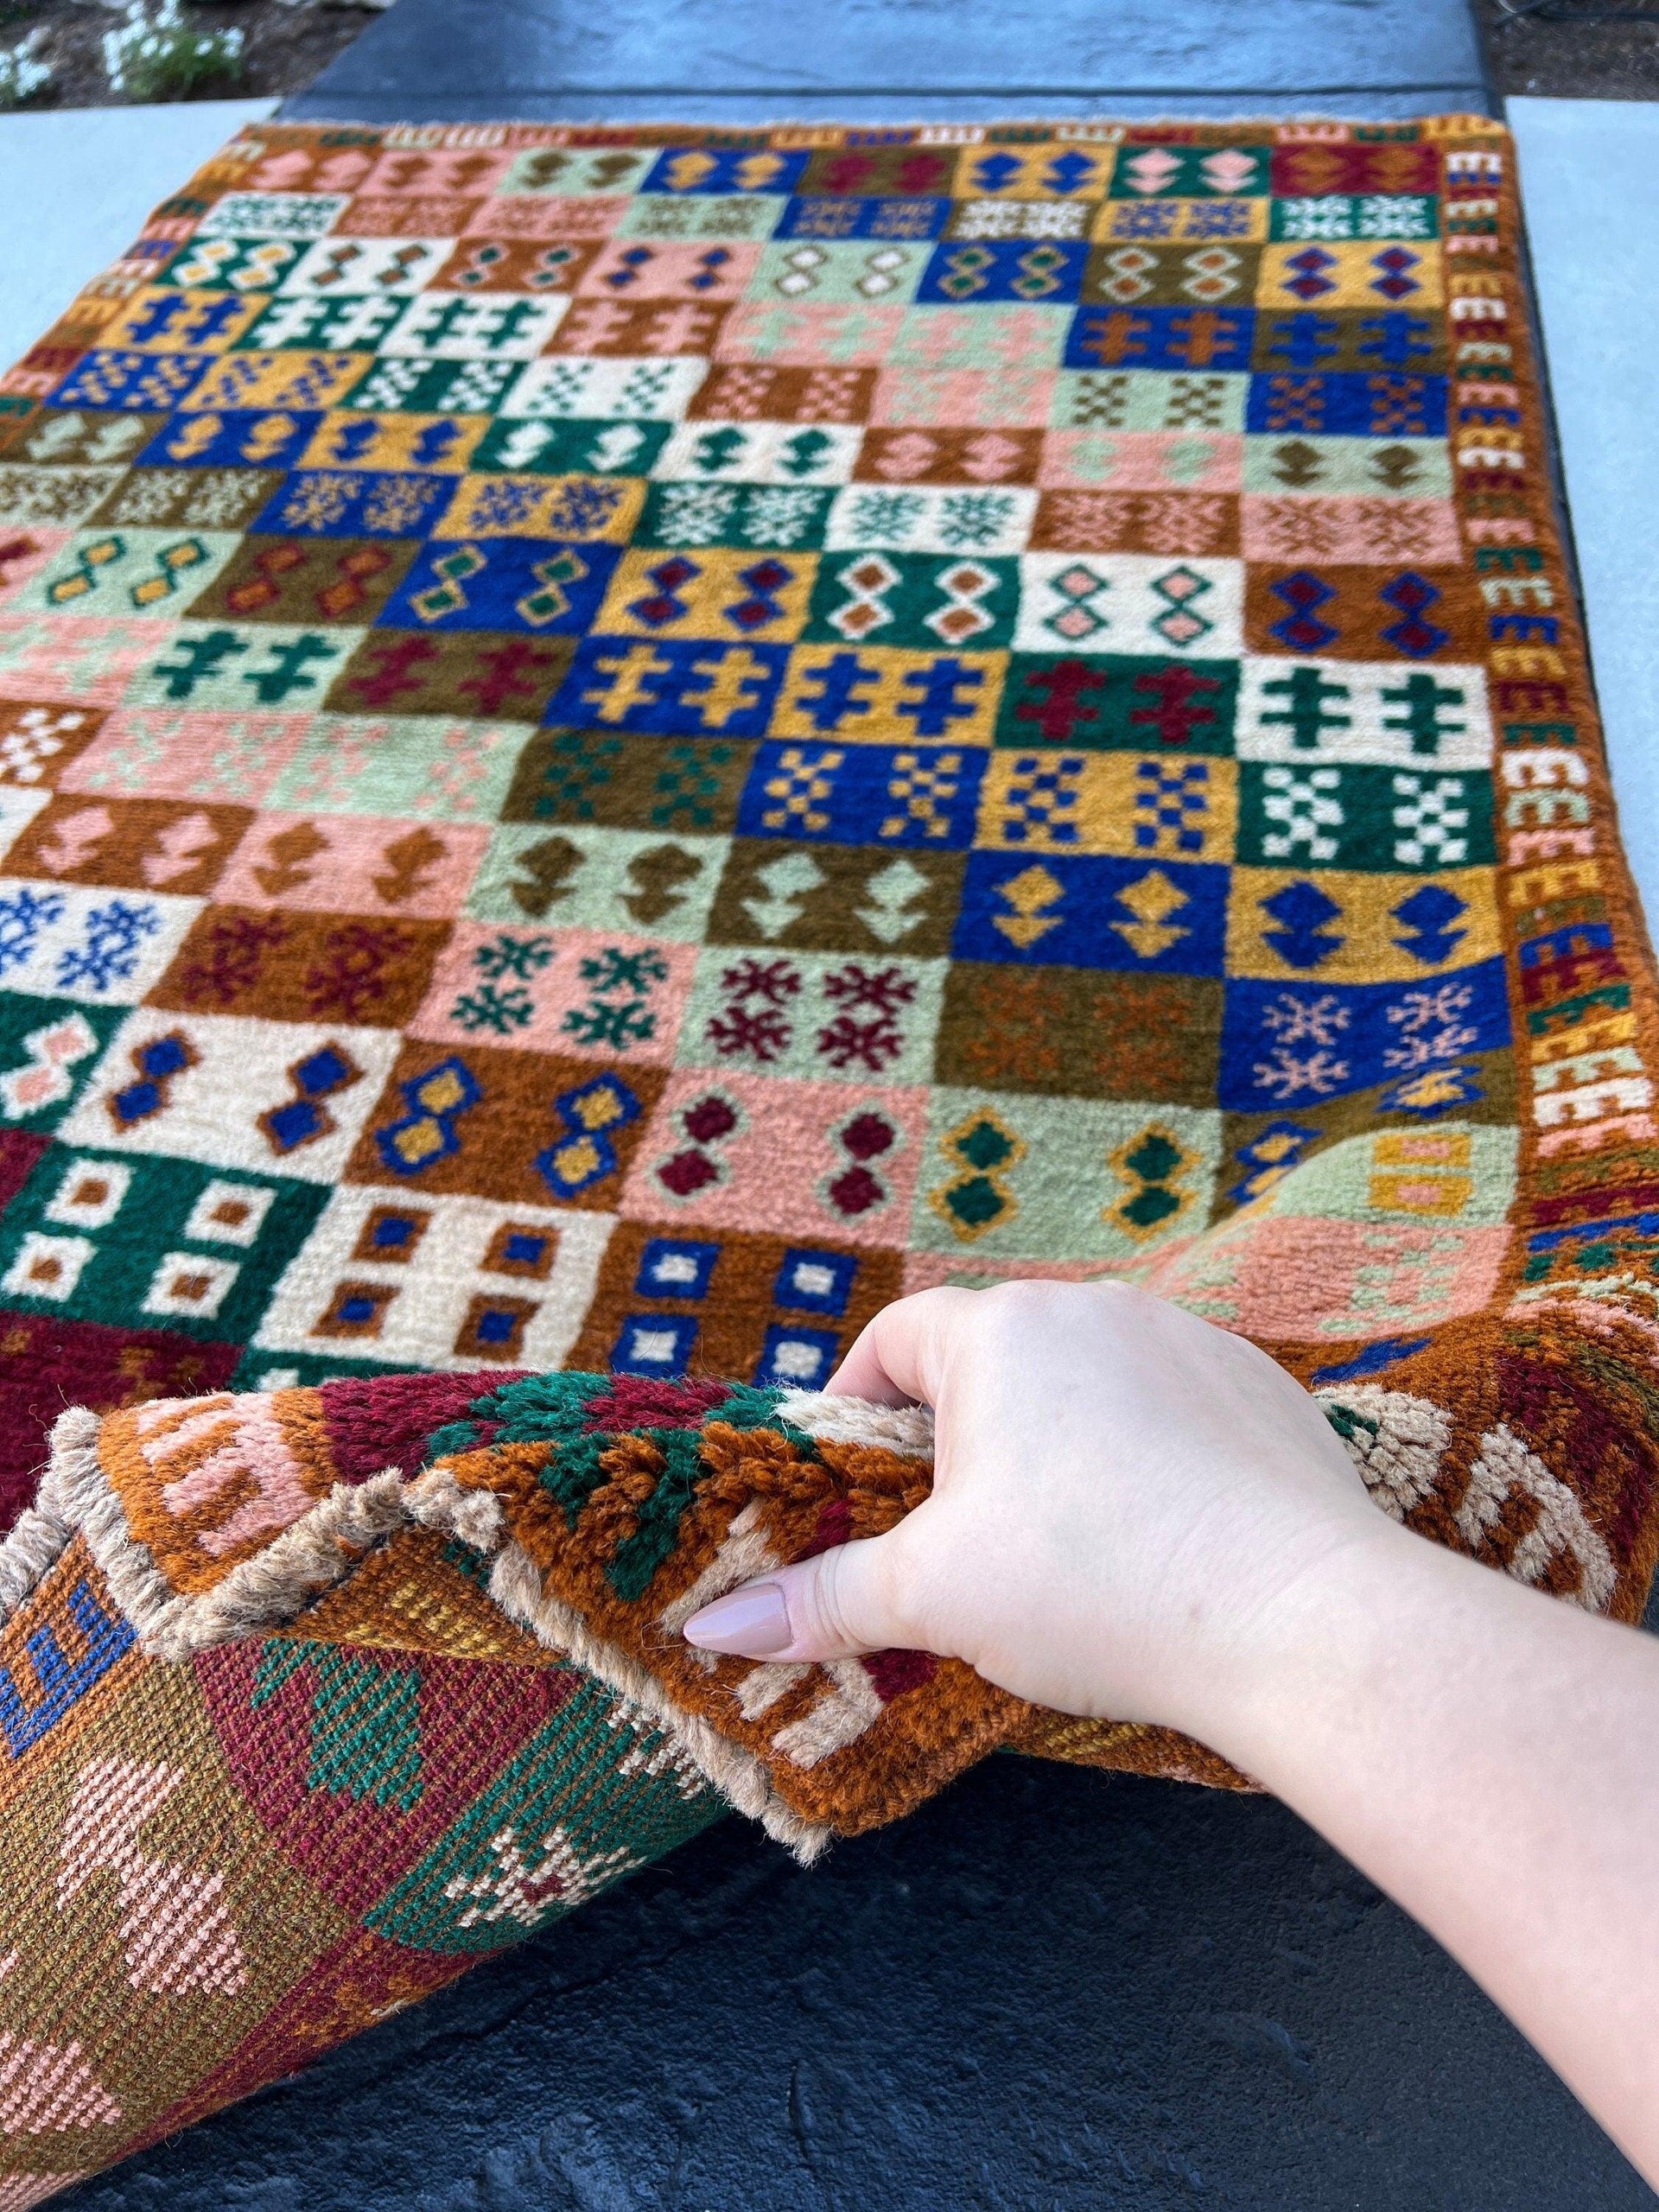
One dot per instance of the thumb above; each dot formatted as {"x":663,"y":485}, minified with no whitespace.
{"x":832,"y":1606}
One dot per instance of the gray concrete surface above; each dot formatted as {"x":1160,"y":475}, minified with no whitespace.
{"x":1590,"y":178}
{"x":79,"y":184}
{"x":900,"y":61}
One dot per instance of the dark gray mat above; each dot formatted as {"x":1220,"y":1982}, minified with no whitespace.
{"x":1052,"y":1990}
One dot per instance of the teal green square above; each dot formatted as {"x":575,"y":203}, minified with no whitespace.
{"x":924,"y":602}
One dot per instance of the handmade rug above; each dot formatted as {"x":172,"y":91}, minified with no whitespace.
{"x":617,"y":745}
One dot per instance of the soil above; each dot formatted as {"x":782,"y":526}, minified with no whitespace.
{"x":283,"y":46}
{"x":1569,"y":54}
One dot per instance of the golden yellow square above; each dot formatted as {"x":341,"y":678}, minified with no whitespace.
{"x":604,"y":508}
{"x":439,"y":444}
{"x":1124,"y":804}
{"x":1338,"y":925}
{"x":726,"y":596}
{"x":163,"y":319}
{"x":286,"y":378}
{"x":1387,"y":275}
{"x":1053,"y":171}
{"x":883,"y":695}
{"x":1182,"y":222}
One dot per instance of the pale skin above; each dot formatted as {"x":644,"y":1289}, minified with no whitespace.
{"x":1138,"y":1515}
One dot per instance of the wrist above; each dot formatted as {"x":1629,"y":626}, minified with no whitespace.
{"x":1311,"y":1661}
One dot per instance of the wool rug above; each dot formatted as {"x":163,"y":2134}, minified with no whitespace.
{"x":618,"y":745}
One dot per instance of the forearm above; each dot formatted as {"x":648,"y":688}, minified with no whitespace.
{"x":1490,"y":1758}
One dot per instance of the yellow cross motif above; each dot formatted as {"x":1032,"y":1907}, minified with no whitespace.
{"x":799,"y":786}
{"x":734,"y":685}
{"x":630,"y":672}
{"x":170,"y":562}
{"x":921,"y":779}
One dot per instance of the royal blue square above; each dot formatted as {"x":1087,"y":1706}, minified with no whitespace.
{"x":293,"y":1123}
{"x":1045,"y":272}
{"x":814,"y":1282}
{"x":321,"y":1071}
{"x":653,"y":1343}
{"x":675,"y":687}
{"x":495,"y":1325}
{"x":551,"y":587}
{"x":797,"y":1358}
{"x":1292,"y":1046}
{"x":357,"y":1311}
{"x":1094,"y":911}
{"x":393,"y":1231}
{"x":1346,"y":403}
{"x":675,"y":1267}
{"x":524,"y":1249}
{"x":866,"y":794}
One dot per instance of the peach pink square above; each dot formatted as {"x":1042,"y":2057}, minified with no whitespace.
{"x":805,"y":1159}
{"x":85,"y":658}
{"x":809,"y":333}
{"x":355,"y":863}
{"x":1143,"y":461}
{"x":1013,"y":399}
{"x":162,"y":753}
{"x":641,"y":269}
{"x":617,"y":998}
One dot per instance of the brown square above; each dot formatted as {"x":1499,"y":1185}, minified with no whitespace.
{"x":737,"y":1307}
{"x":1080,"y":1032}
{"x":521,"y":1249}
{"x":494,"y":1328}
{"x":391,"y":1232}
{"x":357,"y":1309}
{"x":142,"y":844}
{"x":865,"y":899}
{"x":477,"y":674}
{"x":274,"y":579}
{"x":490,"y":1148}
{"x":620,"y":781}
{"x":292,"y":965}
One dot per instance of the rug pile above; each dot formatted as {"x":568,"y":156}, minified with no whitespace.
{"x":615,"y":748}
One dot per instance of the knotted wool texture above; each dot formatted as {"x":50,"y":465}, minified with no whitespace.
{"x":617,"y":745}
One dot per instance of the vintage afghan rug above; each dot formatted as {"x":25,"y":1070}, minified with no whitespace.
{"x":617,"y":745}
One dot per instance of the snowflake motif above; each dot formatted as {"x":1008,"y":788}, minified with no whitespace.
{"x":1315,"y":1075}
{"x":612,"y":970}
{"x":618,"y":1022}
{"x":779,"y":514}
{"x":219,"y":499}
{"x":774,"y":981}
{"x":974,"y":519}
{"x":505,"y":955}
{"x":396,"y":505}
{"x":498,"y":505}
{"x":486,"y":1008}
{"x":110,"y":955}
{"x":320,"y":501}
{"x":1384,"y":215}
{"x":149,"y":497}
{"x":762,"y":1034}
{"x":1305,"y":1021}
{"x":885,"y":989}
{"x":1323,"y":218}
{"x":871,"y":1045}
{"x":1432,"y":1026}
{"x":23,"y":914}
{"x":886,"y":517}
{"x":580,"y":509}
{"x":697,"y":514}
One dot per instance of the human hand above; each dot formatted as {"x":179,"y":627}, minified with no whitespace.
{"x":1123,"y":1496}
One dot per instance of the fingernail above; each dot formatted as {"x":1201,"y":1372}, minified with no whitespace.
{"x":751,"y":1622}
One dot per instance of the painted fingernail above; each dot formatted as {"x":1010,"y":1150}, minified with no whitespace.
{"x":751,"y":1622}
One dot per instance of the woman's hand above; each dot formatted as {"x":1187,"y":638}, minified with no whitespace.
{"x":1123,"y":1496}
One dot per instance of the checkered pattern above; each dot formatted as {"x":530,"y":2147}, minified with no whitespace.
{"x":598,"y":727}
{"x":616,"y":745}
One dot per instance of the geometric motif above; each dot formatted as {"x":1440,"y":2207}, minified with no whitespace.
{"x":613,"y":754}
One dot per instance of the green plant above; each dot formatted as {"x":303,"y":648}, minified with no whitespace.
{"x":21,"y":75}
{"x":160,"y":57}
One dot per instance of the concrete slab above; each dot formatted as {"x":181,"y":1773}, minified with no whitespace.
{"x":1590,"y":177}
{"x":900,"y":61}
{"x":80,"y":182}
